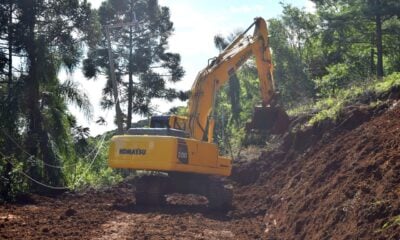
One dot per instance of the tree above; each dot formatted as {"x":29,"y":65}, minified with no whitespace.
{"x":46,"y":36}
{"x":380,"y":11}
{"x":140,"y":54}
{"x":10,"y":93}
{"x":359,"y":22}
{"x":233,"y":84}
{"x":292,"y":42}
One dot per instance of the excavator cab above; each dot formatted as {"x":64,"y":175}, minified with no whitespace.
{"x":169,"y":121}
{"x":163,"y":125}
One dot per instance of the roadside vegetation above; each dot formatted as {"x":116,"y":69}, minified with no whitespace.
{"x":331,"y":106}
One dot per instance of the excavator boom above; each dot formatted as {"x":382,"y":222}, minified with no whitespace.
{"x":218,"y":72}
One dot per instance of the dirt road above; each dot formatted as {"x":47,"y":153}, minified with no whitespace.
{"x":112,"y":214}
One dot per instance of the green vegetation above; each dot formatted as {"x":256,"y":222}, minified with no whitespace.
{"x":36,"y":127}
{"x":394,"y":221}
{"x":229,"y":129}
{"x":331,"y":107}
{"x":323,"y":62}
{"x":91,"y":168}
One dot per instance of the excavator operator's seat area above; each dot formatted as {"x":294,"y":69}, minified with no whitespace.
{"x":168,"y":121}
{"x":158,"y":132}
{"x":163,"y":126}
{"x":160,"y":122}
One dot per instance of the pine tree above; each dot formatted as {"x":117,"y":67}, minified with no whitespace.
{"x":46,"y":36}
{"x":359,"y":22}
{"x":140,"y":53}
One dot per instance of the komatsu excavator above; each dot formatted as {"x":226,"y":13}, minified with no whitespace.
{"x":183,"y":147}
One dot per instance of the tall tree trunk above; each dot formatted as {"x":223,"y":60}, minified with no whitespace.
{"x":130,"y":71}
{"x":52,"y":175}
{"x":234,"y":97}
{"x":32,"y":97}
{"x":130,"y":86}
{"x":10,"y":125}
{"x":10,"y":39}
{"x":372,"y":56}
{"x":118,"y":111}
{"x":379,"y":48}
{"x":38,"y":142}
{"x":33,"y":112}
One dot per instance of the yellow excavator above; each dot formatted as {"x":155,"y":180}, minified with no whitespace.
{"x":183,"y":147}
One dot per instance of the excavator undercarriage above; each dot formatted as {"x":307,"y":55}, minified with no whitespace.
{"x":152,"y":189}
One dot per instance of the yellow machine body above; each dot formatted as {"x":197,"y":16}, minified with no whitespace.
{"x":167,"y":153}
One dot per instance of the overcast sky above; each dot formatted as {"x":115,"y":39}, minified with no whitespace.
{"x":196,"y":23}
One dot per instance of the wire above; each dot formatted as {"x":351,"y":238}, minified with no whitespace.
{"x":53,"y":187}
{"x":31,"y":157}
{"x":31,"y":178}
{"x":90,"y":165}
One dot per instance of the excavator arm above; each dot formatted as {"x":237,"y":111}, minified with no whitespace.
{"x":218,"y":72}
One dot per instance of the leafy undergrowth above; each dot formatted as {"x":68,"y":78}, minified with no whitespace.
{"x":330,"y":107}
{"x":393,"y":222}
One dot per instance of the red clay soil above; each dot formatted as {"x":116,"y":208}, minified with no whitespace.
{"x":345,"y":186}
{"x":112,"y":214}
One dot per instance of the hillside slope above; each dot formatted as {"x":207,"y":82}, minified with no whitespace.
{"x":346,"y":186}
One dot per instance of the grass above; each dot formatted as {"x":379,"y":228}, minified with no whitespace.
{"x":394,"y":221}
{"x":330,"y":107}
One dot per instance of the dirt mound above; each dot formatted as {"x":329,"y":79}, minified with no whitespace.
{"x":345,"y":186}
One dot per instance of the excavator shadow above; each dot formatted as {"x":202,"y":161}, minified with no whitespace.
{"x":174,"y":209}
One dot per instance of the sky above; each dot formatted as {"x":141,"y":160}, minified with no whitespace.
{"x":196,"y":22}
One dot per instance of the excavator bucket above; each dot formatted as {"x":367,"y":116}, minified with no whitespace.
{"x":272,"y":119}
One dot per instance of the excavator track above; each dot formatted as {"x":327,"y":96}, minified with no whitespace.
{"x":152,"y":190}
